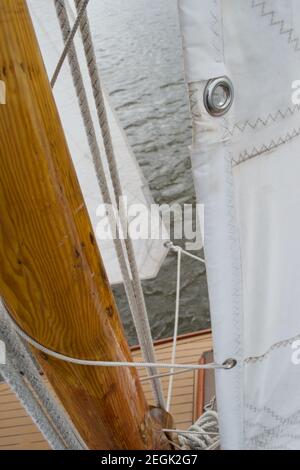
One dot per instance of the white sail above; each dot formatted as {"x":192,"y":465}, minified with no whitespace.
{"x":246,"y":167}
{"x":150,"y":253}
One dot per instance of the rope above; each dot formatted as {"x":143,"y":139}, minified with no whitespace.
{"x":21,"y":360}
{"x":175,"y":248}
{"x":179,"y":251}
{"x":15,"y":380}
{"x":273,"y":347}
{"x":101,"y":178}
{"x":177,"y":305}
{"x":136,"y":301}
{"x":196,"y":433}
{"x":69,"y":42}
{"x":203,"y":435}
{"x":167,"y":374}
{"x":93,"y":144}
{"x":228,"y":364}
{"x":141,"y":317}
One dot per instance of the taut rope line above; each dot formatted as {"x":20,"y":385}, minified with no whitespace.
{"x":100,"y":173}
{"x":227,"y":365}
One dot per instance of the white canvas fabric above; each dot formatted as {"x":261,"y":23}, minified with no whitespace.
{"x":150,"y":253}
{"x":247,"y":170}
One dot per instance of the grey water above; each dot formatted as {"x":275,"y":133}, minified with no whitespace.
{"x":139,"y":53}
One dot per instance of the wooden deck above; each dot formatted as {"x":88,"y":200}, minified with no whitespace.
{"x":185,"y":391}
{"x":17,"y":430}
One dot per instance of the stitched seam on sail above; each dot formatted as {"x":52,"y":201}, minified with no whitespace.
{"x":242,"y":126}
{"x":280,"y":344}
{"x":216,"y":29}
{"x":271,"y":431}
{"x":291,"y":419}
{"x":256,"y":152}
{"x":293,"y":40}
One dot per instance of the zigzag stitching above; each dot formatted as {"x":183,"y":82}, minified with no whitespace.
{"x":273,"y":22}
{"x":214,"y":27}
{"x":266,"y":148}
{"x":241,"y":127}
{"x":291,"y":419}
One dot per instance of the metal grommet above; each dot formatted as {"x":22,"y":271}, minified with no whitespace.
{"x":218,"y":96}
{"x":229,"y":363}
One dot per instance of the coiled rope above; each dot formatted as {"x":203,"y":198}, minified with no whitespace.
{"x":203,"y":434}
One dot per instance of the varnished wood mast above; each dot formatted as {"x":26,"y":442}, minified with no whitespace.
{"x":52,"y":276}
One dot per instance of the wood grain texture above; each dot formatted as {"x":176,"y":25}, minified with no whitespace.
{"x":186,"y":387}
{"x":52,"y":277}
{"x":183,"y":393}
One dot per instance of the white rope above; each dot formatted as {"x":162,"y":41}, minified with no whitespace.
{"x":17,"y":383}
{"x":167,"y":374}
{"x":138,"y":293}
{"x":94,"y":146}
{"x":179,"y":251}
{"x":175,"y":335}
{"x":23,"y":375}
{"x":143,"y":331}
{"x":141,"y":317}
{"x":203,"y":435}
{"x":69,"y":42}
{"x":228,"y":364}
{"x":188,"y":432}
{"x":175,"y":248}
{"x":187,"y":253}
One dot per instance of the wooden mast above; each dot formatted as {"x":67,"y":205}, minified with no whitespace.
{"x":52,"y":277}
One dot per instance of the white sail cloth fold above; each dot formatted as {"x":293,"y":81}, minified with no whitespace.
{"x":246,"y":170}
{"x":150,"y":252}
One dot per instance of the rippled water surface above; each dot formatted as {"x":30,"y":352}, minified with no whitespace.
{"x":139,"y":53}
